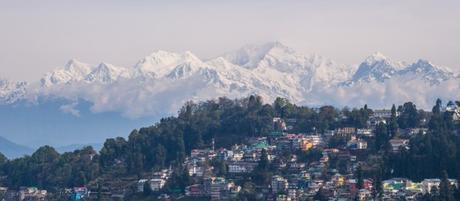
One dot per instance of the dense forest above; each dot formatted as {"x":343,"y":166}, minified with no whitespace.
{"x":229,"y":122}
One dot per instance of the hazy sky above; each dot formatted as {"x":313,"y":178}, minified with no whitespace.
{"x":37,"y":36}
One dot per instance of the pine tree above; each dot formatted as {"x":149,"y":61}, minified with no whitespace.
{"x":445,"y":190}
{"x":359,"y":177}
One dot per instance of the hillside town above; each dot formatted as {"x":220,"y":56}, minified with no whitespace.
{"x":282,"y":166}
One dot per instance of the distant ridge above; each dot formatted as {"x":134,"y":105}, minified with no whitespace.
{"x":13,"y":150}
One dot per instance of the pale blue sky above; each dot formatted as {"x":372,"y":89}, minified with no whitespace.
{"x":37,"y":36}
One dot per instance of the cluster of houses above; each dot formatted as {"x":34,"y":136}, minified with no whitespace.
{"x":23,"y":194}
{"x":156,"y":183}
{"x":401,"y":188}
{"x":332,"y":174}
{"x":301,"y":180}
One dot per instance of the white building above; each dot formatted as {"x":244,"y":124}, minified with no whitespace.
{"x":279,"y":184}
{"x":157,"y":184}
{"x":241,"y":167}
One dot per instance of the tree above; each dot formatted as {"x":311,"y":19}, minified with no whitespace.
{"x":261,"y":173}
{"x":381,"y":136}
{"x":409,"y":117}
{"x":393,"y":124}
{"x":359,"y":177}
{"x":263,"y":162}
{"x":3,"y":160}
{"x":378,"y":188}
{"x":446,"y":192}
{"x":147,"y":191}
{"x":283,"y":107}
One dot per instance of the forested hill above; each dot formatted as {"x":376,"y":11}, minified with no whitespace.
{"x":229,"y":122}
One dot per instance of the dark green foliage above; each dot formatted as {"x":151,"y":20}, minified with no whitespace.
{"x":220,"y":167}
{"x":147,"y":191}
{"x":381,"y":137}
{"x":338,"y":141}
{"x":393,"y":123}
{"x":229,"y":122}
{"x":446,"y":191}
{"x":359,"y":176}
{"x":113,"y":150}
{"x":356,"y":117}
{"x":178,"y":181}
{"x":309,"y":156}
{"x":261,"y":173}
{"x":248,"y":193}
{"x":48,"y":169}
{"x":409,"y":116}
{"x":3,"y":160}
{"x":430,"y":153}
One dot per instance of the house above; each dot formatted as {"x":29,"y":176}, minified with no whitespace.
{"x":394,"y":185}
{"x":374,"y":121}
{"x":196,"y":190}
{"x":364,"y":132}
{"x":345,"y":131}
{"x":157,"y":184}
{"x":220,"y":189}
{"x":283,"y":197}
{"x":416,"y":131}
{"x":357,"y":144}
{"x":386,"y":114}
{"x":279,"y":184}
{"x":224,"y":154}
{"x":279,"y":124}
{"x":305,"y":144}
{"x":429,"y":184}
{"x":140,"y":185}
{"x":314,"y":139}
{"x":364,"y":194}
{"x":237,"y":155}
{"x":32,"y":193}
{"x":239,"y":167}
{"x":79,"y":193}
{"x":397,"y":144}
{"x":195,"y":170}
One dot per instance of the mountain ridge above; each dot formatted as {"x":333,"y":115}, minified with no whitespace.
{"x":13,"y":150}
{"x":156,"y":82}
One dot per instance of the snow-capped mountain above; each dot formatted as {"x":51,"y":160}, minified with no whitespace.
{"x":160,"y":63}
{"x":73,"y":71}
{"x":10,"y":92}
{"x":87,"y":103}
{"x":162,"y":81}
{"x":379,"y":68}
{"x":107,"y":73}
{"x":376,"y":67}
{"x":426,"y":70}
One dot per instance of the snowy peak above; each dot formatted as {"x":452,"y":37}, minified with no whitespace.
{"x":11,"y":92}
{"x":163,"y":80}
{"x":375,"y":58}
{"x":376,"y":67}
{"x":77,"y":67}
{"x":73,"y":71}
{"x":106,"y":73}
{"x":426,"y":70}
{"x":379,"y":68}
{"x":250,"y":56}
{"x":157,"y":63}
{"x":160,"y":63}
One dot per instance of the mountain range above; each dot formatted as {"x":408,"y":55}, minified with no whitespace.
{"x":158,"y":84}
{"x":13,"y":150}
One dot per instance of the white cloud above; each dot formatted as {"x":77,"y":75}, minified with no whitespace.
{"x":70,"y":109}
